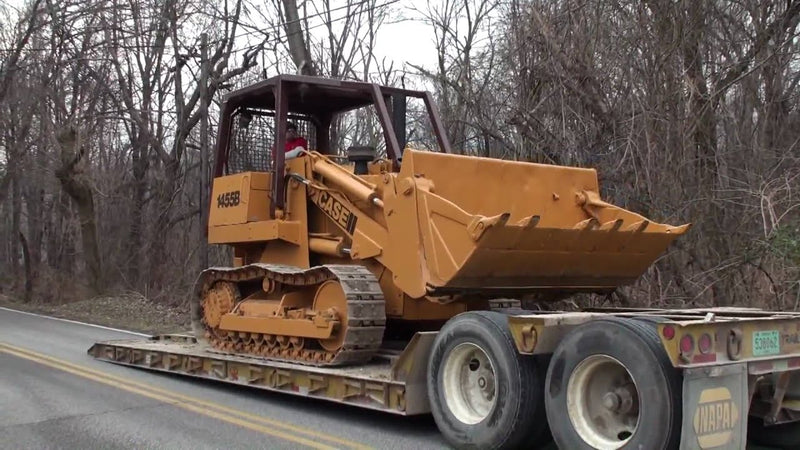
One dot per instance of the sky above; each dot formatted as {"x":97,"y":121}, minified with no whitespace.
{"x":403,"y":38}
{"x":408,"y":40}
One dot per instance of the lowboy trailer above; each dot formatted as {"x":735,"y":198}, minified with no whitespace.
{"x":688,"y":378}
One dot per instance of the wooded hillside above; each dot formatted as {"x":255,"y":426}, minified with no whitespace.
{"x":689,"y":110}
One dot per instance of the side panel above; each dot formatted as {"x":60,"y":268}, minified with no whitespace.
{"x":239,"y":198}
{"x":366,"y":386}
{"x":715,"y":406}
{"x":286,"y":251}
{"x":265,"y":230}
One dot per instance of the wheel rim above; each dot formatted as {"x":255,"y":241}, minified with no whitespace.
{"x":469,"y":383}
{"x":603,"y":402}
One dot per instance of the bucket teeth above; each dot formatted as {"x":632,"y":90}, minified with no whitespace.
{"x":502,"y":219}
{"x":529,"y":222}
{"x":612,"y":225}
{"x":638,"y":227}
{"x":480,"y":224}
{"x":535,"y":251}
{"x":588,"y":224}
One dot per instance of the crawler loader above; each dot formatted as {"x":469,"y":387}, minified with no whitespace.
{"x":336,"y":248}
{"x":387,"y":277}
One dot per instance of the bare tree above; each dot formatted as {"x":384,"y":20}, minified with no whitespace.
{"x":689,"y":111}
{"x":296,"y":41}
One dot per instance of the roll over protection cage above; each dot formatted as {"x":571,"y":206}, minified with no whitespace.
{"x":321,"y":99}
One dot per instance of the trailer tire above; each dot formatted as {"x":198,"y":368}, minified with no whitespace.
{"x":590,"y":376}
{"x":783,"y":436}
{"x":472,"y":345}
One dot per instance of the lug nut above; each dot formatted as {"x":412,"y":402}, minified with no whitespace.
{"x":611,"y":401}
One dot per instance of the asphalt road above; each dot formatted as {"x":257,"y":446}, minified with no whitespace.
{"x":45,"y":403}
{"x":54,"y":395}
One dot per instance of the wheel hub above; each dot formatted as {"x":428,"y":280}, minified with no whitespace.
{"x":611,"y":401}
{"x":469,"y":383}
{"x":603,"y":402}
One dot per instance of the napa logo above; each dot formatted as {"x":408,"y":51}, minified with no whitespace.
{"x":716,"y":417}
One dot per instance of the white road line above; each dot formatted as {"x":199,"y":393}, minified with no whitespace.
{"x":76,"y":322}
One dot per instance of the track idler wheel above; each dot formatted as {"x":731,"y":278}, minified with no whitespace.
{"x":330,"y":301}
{"x":218,"y":301}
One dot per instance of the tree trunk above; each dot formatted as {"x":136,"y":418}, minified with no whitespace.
{"x":158,"y":250}
{"x":26,"y":255}
{"x":701,"y":113}
{"x":204,"y":174}
{"x":137,"y":233}
{"x":297,"y":44}
{"x":16,"y":210}
{"x":61,"y":248}
{"x":74,"y":183}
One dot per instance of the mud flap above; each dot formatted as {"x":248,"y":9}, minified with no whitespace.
{"x":715,"y":407}
{"x":411,"y":367}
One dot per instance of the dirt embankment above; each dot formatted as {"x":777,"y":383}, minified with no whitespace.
{"x":128,"y":312}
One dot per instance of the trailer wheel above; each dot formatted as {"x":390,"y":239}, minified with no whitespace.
{"x":610,"y":385}
{"x":784,"y":436}
{"x":483,"y":393}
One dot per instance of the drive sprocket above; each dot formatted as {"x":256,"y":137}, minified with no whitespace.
{"x":219,"y":300}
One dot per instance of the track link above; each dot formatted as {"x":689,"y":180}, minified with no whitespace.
{"x":366,"y":313}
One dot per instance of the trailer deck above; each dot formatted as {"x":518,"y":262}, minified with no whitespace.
{"x":393,"y":382}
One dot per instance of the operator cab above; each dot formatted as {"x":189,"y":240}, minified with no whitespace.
{"x":254,"y":119}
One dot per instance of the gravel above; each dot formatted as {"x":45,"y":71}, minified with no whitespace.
{"x":132,"y":312}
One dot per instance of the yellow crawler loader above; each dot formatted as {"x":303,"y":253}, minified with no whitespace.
{"x":331,"y":253}
{"x":385,"y":277}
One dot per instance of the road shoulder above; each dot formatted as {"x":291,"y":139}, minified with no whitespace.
{"x":124,"y":312}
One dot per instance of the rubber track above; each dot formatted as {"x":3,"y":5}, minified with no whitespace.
{"x":366,"y":312}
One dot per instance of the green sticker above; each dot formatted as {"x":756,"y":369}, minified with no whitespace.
{"x":766,"y":343}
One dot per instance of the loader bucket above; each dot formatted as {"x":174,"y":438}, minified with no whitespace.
{"x":494,"y":224}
